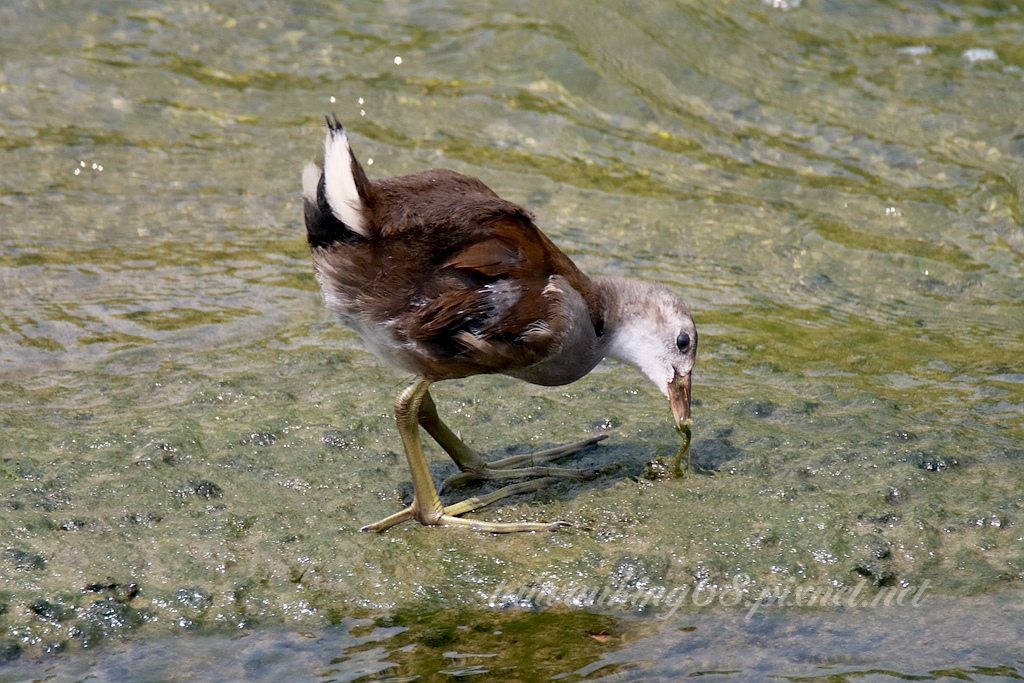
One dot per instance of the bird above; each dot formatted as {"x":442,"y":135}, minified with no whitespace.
{"x":443,"y":279}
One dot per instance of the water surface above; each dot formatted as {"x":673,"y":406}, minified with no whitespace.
{"x":187,"y":442}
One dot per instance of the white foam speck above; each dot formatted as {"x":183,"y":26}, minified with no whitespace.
{"x":979,"y":54}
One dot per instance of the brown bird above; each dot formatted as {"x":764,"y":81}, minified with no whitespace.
{"x":444,"y":279}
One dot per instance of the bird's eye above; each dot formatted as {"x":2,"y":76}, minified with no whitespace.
{"x":683,"y":341}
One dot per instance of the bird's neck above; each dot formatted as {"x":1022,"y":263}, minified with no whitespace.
{"x":628,"y":335}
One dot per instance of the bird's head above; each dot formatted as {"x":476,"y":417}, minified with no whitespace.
{"x":654,"y":332}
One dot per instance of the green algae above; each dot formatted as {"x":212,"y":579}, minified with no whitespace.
{"x":520,"y":645}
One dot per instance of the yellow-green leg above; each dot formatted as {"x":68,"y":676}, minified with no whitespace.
{"x":426,"y":505}
{"x":474,"y":468}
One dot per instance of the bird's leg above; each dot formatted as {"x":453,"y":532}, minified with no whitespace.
{"x":426,"y":506}
{"x":473,"y":467}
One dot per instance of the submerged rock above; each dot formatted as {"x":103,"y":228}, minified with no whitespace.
{"x":24,"y":560}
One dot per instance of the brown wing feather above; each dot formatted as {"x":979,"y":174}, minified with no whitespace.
{"x":490,"y":257}
{"x":493,"y":320}
{"x":446,"y":314}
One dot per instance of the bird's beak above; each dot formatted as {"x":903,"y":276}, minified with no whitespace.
{"x":679,"y":399}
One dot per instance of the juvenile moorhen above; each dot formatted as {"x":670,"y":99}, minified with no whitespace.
{"x":444,"y":279}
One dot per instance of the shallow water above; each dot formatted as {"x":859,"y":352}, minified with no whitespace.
{"x":937,"y":638}
{"x":188,"y":442}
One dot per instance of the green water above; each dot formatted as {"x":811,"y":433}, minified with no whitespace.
{"x":189,"y":443}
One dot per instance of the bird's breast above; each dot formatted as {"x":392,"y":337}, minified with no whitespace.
{"x":579,"y":348}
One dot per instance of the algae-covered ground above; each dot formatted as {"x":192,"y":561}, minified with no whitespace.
{"x":188,"y":444}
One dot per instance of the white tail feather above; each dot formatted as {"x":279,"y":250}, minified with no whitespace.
{"x":339,"y":184}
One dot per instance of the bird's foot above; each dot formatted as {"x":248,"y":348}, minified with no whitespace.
{"x":519,"y":466}
{"x":450,"y":514}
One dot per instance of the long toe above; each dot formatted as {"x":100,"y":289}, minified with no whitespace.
{"x":492,"y":474}
{"x":550,"y":454}
{"x":451,"y":514}
{"x":502,"y":527}
{"x":528,"y":465}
